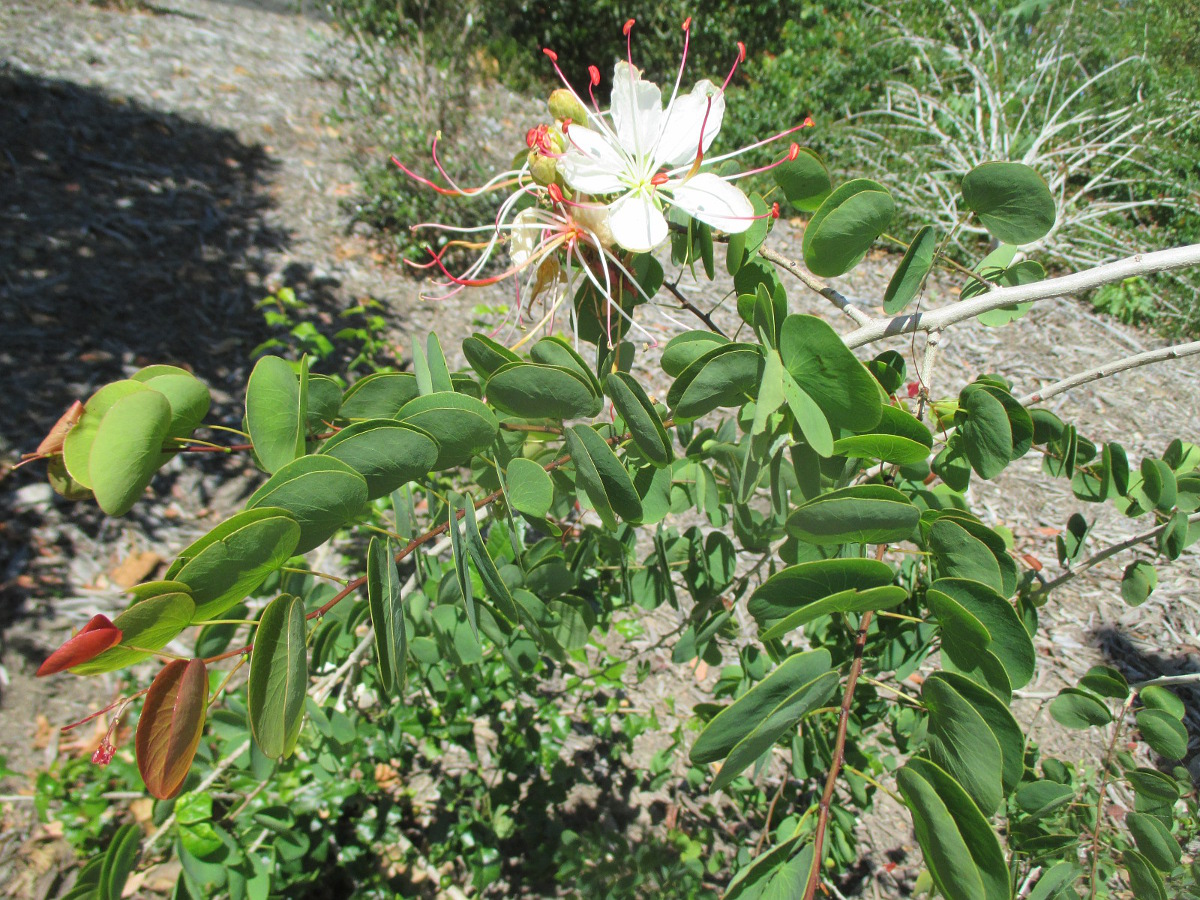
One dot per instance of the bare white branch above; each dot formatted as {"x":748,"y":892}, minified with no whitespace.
{"x":1179,"y":351}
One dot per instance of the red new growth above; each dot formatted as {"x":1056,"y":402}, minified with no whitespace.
{"x":96,"y":636}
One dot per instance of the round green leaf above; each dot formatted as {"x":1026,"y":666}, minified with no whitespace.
{"x":986,"y":434}
{"x":553,"y":350}
{"x":602,"y":476}
{"x":278,"y":677}
{"x":127,"y":449}
{"x":897,"y":438}
{"x":386,"y":453}
{"x":1011,"y":200}
{"x":530,"y":488}
{"x":684,"y":349}
{"x":324,"y":401}
{"x":725,"y":376}
{"x":276,"y":417}
{"x":849,"y":220}
{"x":1040,"y":798}
{"x":862,"y":514}
{"x":379,"y":396}
{"x":189,"y":400}
{"x":999,"y":720}
{"x":486,"y":355}
{"x":1011,"y":644}
{"x":1162,"y":731}
{"x":461,"y":425}
{"x":797,"y":586}
{"x":910,"y":274}
{"x":539,"y":391}
{"x":77,"y":446}
{"x":827,"y":371}
{"x":321,"y":493}
{"x":804,"y":180}
{"x":1157,"y":697}
{"x":960,"y":555}
{"x":1074,"y":708}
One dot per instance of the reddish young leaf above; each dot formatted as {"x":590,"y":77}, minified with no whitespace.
{"x":53,"y":442}
{"x":168,"y":732}
{"x":96,"y":636}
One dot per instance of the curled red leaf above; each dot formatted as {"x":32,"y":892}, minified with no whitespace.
{"x":172,"y":721}
{"x":94,"y":638}
{"x":53,"y":442}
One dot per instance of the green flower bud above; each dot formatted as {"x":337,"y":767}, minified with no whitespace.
{"x":565,"y":105}
{"x":542,"y":168}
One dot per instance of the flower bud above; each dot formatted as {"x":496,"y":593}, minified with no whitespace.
{"x":542,"y":168}
{"x":565,"y":105}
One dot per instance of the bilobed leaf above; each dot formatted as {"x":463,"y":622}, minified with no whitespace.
{"x":97,"y":636}
{"x":777,"y":874}
{"x":529,"y":487}
{"x":323,"y":402}
{"x":684,"y":349}
{"x":127,"y":449}
{"x":863,"y":514}
{"x":554,"y":351}
{"x":1154,"y":841}
{"x":539,"y":391}
{"x":275,"y":417}
{"x":827,"y":371}
{"x":1027,"y":271}
{"x":387,"y":615}
{"x":845,"y":226}
{"x":898,"y":438}
{"x":278,"y":677}
{"x":804,"y":180}
{"x":188,"y":397}
{"x":461,"y":425}
{"x":734,"y":723}
{"x":77,"y":445}
{"x":645,"y":427}
{"x":999,"y":720}
{"x":321,"y":493}
{"x":959,"y":555}
{"x":1163,"y":732}
{"x":797,"y":586}
{"x":170,"y":726}
{"x":221,"y":571}
{"x":1011,"y":643}
{"x":1040,"y":798}
{"x":147,"y":625}
{"x":1074,"y":708}
{"x":386,"y":453}
{"x":1105,"y":681}
{"x":380,"y":395}
{"x":810,"y":418}
{"x":910,"y":274}
{"x":1052,"y":884}
{"x":850,"y":601}
{"x":960,"y":848}
{"x":1146,"y":883}
{"x":1011,"y":200}
{"x":486,"y":355}
{"x":1157,"y":697}
{"x":725,"y":376}
{"x":435,"y":359}
{"x":962,"y":744}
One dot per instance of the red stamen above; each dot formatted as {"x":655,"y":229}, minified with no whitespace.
{"x":550,"y":53}
{"x":594,"y":75}
{"x":793,"y":152}
{"x":531,"y":138}
{"x":628,"y":27}
{"x":660,"y":178}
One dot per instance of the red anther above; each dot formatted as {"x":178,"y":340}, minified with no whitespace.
{"x":808,"y":122}
{"x":628,"y":27}
{"x":660,"y":178}
{"x":594,"y":74}
{"x":775,"y":210}
{"x":555,"y":192}
{"x":531,"y":137}
{"x":550,"y":53}
{"x":913,"y":389}
{"x":793,"y":152}
{"x":687,"y":23}
{"x":566,"y":123}
{"x":741,"y":52}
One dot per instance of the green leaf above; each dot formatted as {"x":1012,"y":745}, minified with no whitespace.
{"x":1010,"y":643}
{"x":1054,"y":882}
{"x":387,"y":615}
{"x":1025,"y":272}
{"x":898,"y":438}
{"x":486,"y":355}
{"x":737,"y":721}
{"x":910,"y":274}
{"x":1162,"y":731}
{"x":1143,"y":880}
{"x":461,"y":425}
{"x":999,"y":720}
{"x":1154,"y":841}
{"x":538,"y":391}
{"x":379,"y":396}
{"x":148,"y":625}
{"x":1174,"y":537}
{"x":850,"y":601}
{"x":816,"y":357}
{"x":863,"y":514}
{"x":684,"y":349}
{"x":386,"y":453}
{"x":804,"y":180}
{"x":1073,"y":708}
{"x":119,"y":860}
{"x":602,"y":477}
{"x":324,"y":402}
{"x":725,"y":376}
{"x":797,"y":586}
{"x":1040,"y":798}
{"x":1157,"y":697}
{"x":221,"y":568}
{"x":321,"y":493}
{"x":276,"y":413}
{"x":1105,"y":681}
{"x":77,"y":446}
{"x":808,"y":415}
{"x":462,"y":572}
{"x":1152,"y":785}
{"x":189,"y":400}
{"x":645,"y":427}
{"x":777,"y":874}
{"x":488,"y":573}
{"x":961,"y":742}
{"x":170,"y":726}
{"x":775,"y":725}
{"x":1011,"y":200}
{"x":959,"y":555}
{"x":842,"y":230}
{"x":529,"y":487}
{"x":555,"y":351}
{"x":960,"y":848}
{"x":986,"y":434}
{"x":278,"y":678}
{"x":435,"y":362}
{"x":127,"y":450}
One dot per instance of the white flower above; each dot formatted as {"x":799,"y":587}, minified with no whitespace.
{"x":649,"y":156}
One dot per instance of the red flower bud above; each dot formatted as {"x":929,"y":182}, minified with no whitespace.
{"x":95,"y":637}
{"x":627,"y":28}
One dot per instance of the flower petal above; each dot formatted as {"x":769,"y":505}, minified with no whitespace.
{"x":680,"y":138}
{"x":591,"y":164}
{"x":712,"y":200}
{"x":637,"y":114}
{"x":637,"y":223}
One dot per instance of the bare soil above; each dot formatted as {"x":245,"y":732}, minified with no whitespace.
{"x":164,"y":167}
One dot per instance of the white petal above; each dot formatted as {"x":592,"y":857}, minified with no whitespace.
{"x":636,"y":112}
{"x":712,"y":200}
{"x":636,"y":222}
{"x":689,"y":114}
{"x":525,"y":235}
{"x":591,"y":164}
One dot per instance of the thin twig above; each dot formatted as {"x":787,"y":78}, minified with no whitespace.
{"x":1179,"y":351}
{"x":1189,"y":678}
{"x":816,"y":284}
{"x":1108,"y":761}
{"x":693,"y":308}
